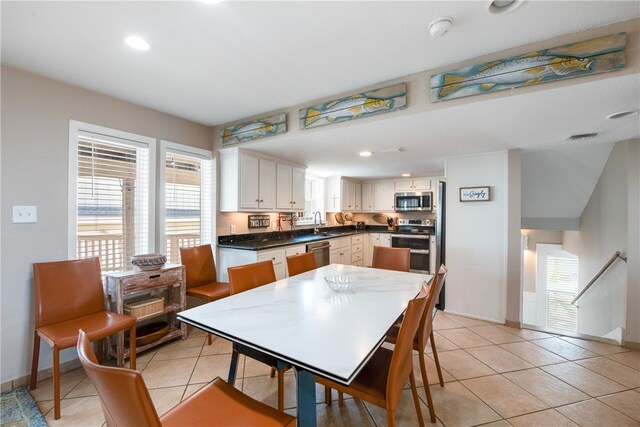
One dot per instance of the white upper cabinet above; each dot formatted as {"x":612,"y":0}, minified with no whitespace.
{"x":418,"y":184}
{"x":250,"y":182}
{"x":342,"y":195}
{"x":383,"y":196}
{"x":290,"y":187}
{"x":367,"y":197}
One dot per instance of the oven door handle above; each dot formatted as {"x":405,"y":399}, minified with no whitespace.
{"x":419,"y":251}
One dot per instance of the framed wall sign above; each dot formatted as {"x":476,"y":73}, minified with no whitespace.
{"x":259,"y":221}
{"x":475,"y":194}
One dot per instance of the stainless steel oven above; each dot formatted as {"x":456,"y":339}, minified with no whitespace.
{"x":419,"y":248}
{"x":413,"y":201}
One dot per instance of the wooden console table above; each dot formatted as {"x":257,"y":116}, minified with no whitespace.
{"x":169,"y":281}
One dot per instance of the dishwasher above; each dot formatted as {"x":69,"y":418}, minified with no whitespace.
{"x":321,"y":252}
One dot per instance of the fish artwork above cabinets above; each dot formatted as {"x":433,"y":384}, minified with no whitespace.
{"x":255,"y":129}
{"x":588,"y":57}
{"x":363,"y":104}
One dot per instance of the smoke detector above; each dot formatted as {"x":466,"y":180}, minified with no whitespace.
{"x":440,"y":27}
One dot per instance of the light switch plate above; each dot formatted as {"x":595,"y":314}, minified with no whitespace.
{"x":23,"y":214}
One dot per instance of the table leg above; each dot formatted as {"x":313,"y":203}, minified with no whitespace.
{"x":233,"y":367}
{"x":306,"y":394}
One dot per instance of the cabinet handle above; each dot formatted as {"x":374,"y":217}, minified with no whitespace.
{"x":155,"y":276}
{"x":261,"y":200}
{"x":257,"y":200}
{"x":273,"y":259}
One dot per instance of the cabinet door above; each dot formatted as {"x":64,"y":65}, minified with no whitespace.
{"x":298,"y":181}
{"x":249,"y":179}
{"x":283,"y":186}
{"x":267,"y":184}
{"x":367,"y":198}
{"x":385,"y":240}
{"x":358,"y":197}
{"x":280,"y":269}
{"x":383,"y":196}
{"x":421,"y":184}
{"x":334,"y":256}
{"x":345,"y":256}
{"x":404,"y":185}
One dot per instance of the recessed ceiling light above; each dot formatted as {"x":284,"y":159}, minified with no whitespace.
{"x":211,"y":1}
{"x":365,"y":153}
{"x":622,"y":115}
{"x":137,"y":43}
{"x":439,"y":27}
{"x":500,"y":7}
{"x":581,"y":136}
{"x":406,"y":174}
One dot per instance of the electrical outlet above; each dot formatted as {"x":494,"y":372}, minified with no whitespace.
{"x":233,"y":229}
{"x":23,"y":214}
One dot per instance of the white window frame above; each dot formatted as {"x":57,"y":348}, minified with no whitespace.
{"x":168,"y":146}
{"x":75,"y":129}
{"x":322,"y":184}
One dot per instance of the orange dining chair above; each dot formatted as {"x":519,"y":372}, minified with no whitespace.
{"x":68,"y":296}
{"x":398,"y":259}
{"x":126,"y":401}
{"x":200,"y":270}
{"x":244,"y":278}
{"x":297,"y":264}
{"x":383,"y":378}
{"x":425,"y":333}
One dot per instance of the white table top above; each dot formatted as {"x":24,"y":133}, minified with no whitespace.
{"x":300,"y":320}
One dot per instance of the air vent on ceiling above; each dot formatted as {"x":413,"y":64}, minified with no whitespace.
{"x":582,"y":136}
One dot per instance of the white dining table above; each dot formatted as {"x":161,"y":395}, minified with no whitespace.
{"x":300,"y":321}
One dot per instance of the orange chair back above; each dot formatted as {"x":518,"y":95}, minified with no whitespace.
{"x":402,"y":360}
{"x":66,"y":290}
{"x":426,"y":323}
{"x":297,"y":264}
{"x":398,"y":259}
{"x":200,"y":268}
{"x":123,"y":394}
{"x":245,"y":277}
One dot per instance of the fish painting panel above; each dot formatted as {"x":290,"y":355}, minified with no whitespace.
{"x":588,"y":57}
{"x":255,"y":129}
{"x":364,"y":104}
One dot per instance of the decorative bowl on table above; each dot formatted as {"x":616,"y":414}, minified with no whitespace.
{"x":340,"y":282}
{"x":148,"y":262}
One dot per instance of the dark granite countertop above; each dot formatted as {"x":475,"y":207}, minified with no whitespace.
{"x":270,"y":240}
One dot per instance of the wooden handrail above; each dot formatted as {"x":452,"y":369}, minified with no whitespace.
{"x":598,"y":274}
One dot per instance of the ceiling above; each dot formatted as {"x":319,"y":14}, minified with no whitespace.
{"x":214,"y":64}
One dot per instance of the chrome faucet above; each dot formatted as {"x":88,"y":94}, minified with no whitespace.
{"x":317,"y":215}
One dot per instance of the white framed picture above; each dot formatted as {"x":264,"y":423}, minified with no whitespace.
{"x":475,"y":194}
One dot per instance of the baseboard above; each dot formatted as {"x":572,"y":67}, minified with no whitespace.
{"x":633,"y":345}
{"x":513,"y":324}
{"x":471,"y":316}
{"x":42,"y":375}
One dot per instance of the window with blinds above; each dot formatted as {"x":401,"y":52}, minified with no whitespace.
{"x":188,"y":202}
{"x":562,"y":287}
{"x":112,"y":196}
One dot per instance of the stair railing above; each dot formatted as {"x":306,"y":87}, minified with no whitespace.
{"x":598,"y":274}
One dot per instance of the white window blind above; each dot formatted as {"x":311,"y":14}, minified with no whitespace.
{"x":314,"y":199}
{"x":562,"y":287}
{"x":188,"y":202}
{"x":112,"y":197}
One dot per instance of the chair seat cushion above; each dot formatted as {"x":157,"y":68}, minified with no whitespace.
{"x":219,"y":404}
{"x":210,"y":291}
{"x":97,"y":326}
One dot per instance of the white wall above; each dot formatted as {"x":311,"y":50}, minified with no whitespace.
{"x":604,"y":230}
{"x":633,"y":243}
{"x":477,"y":237}
{"x":35,"y":139}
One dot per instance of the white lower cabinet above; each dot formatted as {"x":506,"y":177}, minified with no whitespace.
{"x":375,"y":239}
{"x":235,"y":257}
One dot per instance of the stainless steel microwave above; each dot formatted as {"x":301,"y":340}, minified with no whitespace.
{"x":414,"y":201}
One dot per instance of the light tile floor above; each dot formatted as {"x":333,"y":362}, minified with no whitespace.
{"x":494,"y":376}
